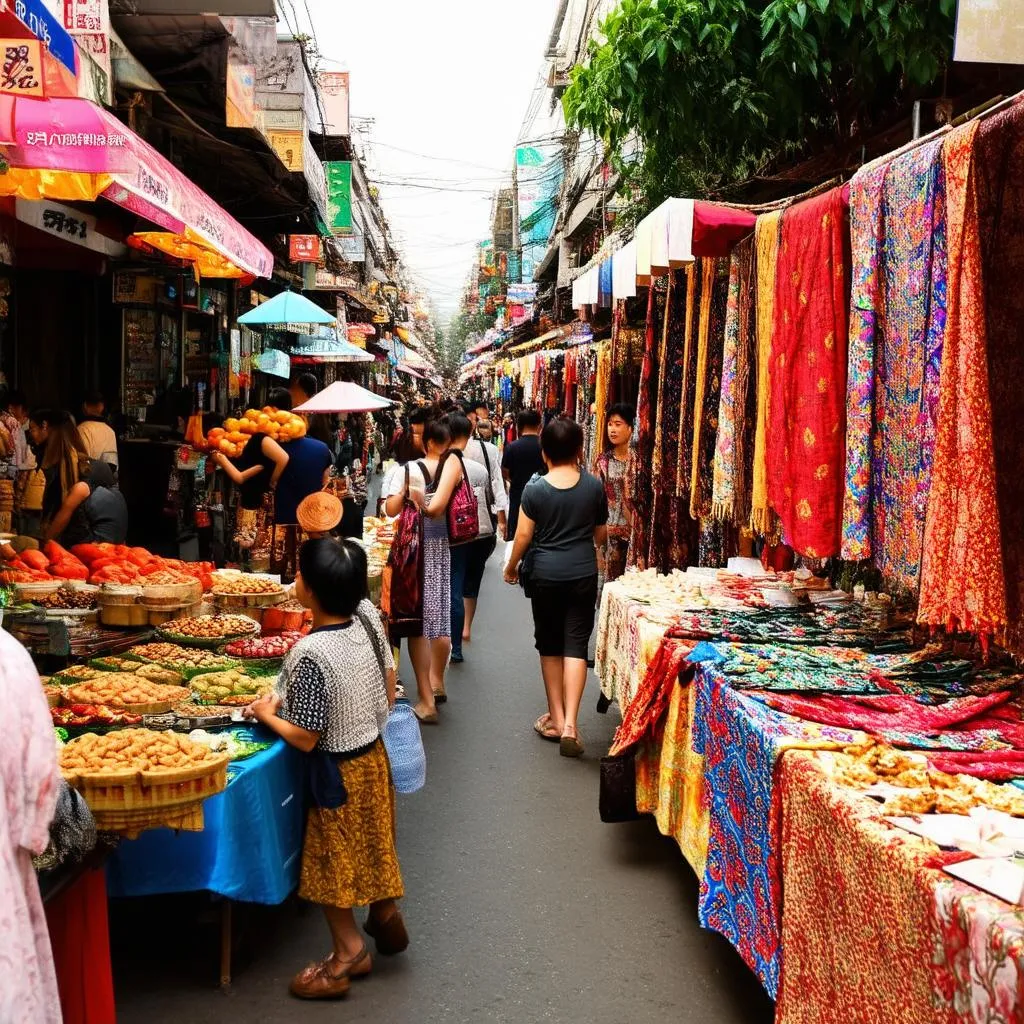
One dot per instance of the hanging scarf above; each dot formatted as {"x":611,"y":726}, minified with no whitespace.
{"x":640,"y":487}
{"x":689,"y":381}
{"x":1000,"y":178}
{"x":766,"y":242}
{"x":710,"y":341}
{"x":961,"y":576}
{"x":662,"y":400}
{"x":807,"y":411}
{"x":731,"y":495}
{"x":898,"y":309}
{"x":604,"y":373}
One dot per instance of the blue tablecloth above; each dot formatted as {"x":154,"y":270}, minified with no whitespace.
{"x":249,"y":850}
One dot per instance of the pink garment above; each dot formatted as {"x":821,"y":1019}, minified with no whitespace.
{"x":29,"y":781}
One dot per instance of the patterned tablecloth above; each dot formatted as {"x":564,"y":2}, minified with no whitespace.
{"x":869,"y":929}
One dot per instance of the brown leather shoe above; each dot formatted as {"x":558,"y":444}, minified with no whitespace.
{"x":317,"y":982}
{"x":390,"y":934}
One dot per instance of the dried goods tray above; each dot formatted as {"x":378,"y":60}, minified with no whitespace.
{"x":210,"y":643}
{"x":188,"y":673}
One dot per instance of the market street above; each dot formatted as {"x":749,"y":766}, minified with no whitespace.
{"x":521,"y":904}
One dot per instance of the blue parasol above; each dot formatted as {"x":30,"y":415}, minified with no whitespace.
{"x":287,"y":308}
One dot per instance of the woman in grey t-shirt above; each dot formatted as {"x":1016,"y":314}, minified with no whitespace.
{"x":562,"y":517}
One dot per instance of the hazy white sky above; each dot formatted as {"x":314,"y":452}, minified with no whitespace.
{"x":449,"y":80}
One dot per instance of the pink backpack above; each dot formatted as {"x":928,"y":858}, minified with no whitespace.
{"x":463,"y":513}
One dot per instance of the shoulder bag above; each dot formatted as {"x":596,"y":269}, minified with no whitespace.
{"x":490,"y":489}
{"x":402,"y":586}
{"x":463,"y":513}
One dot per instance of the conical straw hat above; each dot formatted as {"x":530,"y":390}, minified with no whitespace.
{"x":319,"y":512}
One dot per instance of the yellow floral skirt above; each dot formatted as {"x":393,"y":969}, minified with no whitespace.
{"x":348,"y":857}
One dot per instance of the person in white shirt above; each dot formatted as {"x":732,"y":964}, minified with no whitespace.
{"x":97,"y":435}
{"x":485,"y":454}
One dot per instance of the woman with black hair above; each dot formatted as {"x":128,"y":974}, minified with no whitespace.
{"x":562,"y":520}
{"x":331,"y":702}
{"x":430,"y":651}
{"x":613,"y":470}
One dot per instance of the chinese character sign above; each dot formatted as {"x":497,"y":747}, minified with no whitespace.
{"x":334,"y":92}
{"x":84,"y":16}
{"x":20,"y":74}
{"x":304,"y":248}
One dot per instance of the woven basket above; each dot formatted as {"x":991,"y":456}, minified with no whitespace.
{"x":240,"y":602}
{"x":172,"y":595}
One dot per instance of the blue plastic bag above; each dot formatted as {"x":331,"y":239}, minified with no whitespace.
{"x":404,"y":745}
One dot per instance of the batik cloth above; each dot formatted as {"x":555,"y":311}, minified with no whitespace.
{"x":857,"y":919}
{"x":714,"y":297}
{"x":962,"y":571}
{"x":646,"y":412}
{"x":733,"y":459}
{"x":740,"y":742}
{"x":689,"y":378}
{"x":766,"y":242}
{"x":807,"y":410}
{"x":1000,"y":184}
{"x":898,"y":321}
{"x":666,"y":442}
{"x":978,"y":955}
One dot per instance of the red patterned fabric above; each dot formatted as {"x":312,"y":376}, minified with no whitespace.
{"x":807,"y":406}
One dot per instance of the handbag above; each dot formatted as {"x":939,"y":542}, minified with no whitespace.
{"x":617,"y":795}
{"x":489,"y":493}
{"x":463,"y":512}
{"x":401,"y":733}
{"x":401,"y":597}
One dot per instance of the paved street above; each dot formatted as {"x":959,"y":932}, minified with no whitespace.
{"x":521,"y":904}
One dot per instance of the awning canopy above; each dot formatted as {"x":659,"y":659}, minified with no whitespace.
{"x":287,"y":308}
{"x":343,"y":396}
{"x":68,"y":148}
{"x":331,"y":350}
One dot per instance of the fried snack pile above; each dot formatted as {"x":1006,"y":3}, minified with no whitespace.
{"x":133,"y":749}
{"x":211,"y":627}
{"x":927,"y":790}
{"x":184,"y":657}
{"x":243,"y":584}
{"x":121,"y":689}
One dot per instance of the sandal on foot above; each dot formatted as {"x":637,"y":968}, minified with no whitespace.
{"x":569,"y":745}
{"x":544,"y":728}
{"x":440,"y":697}
{"x":317,"y":982}
{"x":430,"y":718}
{"x":390,"y":934}
{"x":359,"y":966}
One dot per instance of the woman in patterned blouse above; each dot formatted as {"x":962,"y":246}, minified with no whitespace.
{"x":613,"y":469}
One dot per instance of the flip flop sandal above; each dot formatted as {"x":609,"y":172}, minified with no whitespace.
{"x":570,"y":746}
{"x":545,"y":730}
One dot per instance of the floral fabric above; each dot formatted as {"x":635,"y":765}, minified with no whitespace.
{"x":807,"y":405}
{"x":898,"y":312}
{"x":689,"y":377}
{"x":962,"y":574}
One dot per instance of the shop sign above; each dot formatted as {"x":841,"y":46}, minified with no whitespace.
{"x":240,"y":106}
{"x":66,"y":223}
{"x":284,"y":120}
{"x":137,"y":289}
{"x":21,"y":71}
{"x":35,"y":16}
{"x":84,"y":15}
{"x":288,"y":147}
{"x":283,"y":73}
{"x":522,"y":294}
{"x":274,"y":362}
{"x":304,"y":248}
{"x":323,"y":280}
{"x":339,"y":196}
{"x":334,"y":95}
{"x":88,"y":23}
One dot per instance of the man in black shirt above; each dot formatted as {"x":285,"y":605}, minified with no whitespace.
{"x":520,"y":462}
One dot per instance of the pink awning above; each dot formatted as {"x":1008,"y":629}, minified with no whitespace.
{"x":76,"y":136}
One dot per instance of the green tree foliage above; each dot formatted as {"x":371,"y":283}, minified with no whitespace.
{"x":711,"y":89}
{"x":465,"y":329}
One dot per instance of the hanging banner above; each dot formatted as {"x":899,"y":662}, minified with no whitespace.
{"x":21,"y":70}
{"x":288,"y":147}
{"x":339,"y":196}
{"x":334,"y":94}
{"x":35,"y":16}
{"x":989,"y":31}
{"x":304,"y":248}
{"x":240,"y":106}
{"x":88,"y":23}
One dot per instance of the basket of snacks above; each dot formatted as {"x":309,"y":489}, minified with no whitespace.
{"x":137,"y":779}
{"x":261,"y":655}
{"x":245,"y":590}
{"x":170,"y":588}
{"x":97,"y":717}
{"x":192,"y":715}
{"x":126,"y":691}
{"x":187,"y":662}
{"x":121,"y":607}
{"x":208,"y":630}
{"x":230,"y":688}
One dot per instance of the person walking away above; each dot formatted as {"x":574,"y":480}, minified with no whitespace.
{"x":520,"y":462}
{"x":331,"y":702}
{"x":28,"y":487}
{"x":97,"y":435}
{"x":80,"y":502}
{"x":318,"y":425}
{"x":29,"y":780}
{"x":307,"y":471}
{"x":563,"y":517}
{"x":485,"y":431}
{"x":430,"y":651}
{"x":612,"y":468}
{"x":467,"y":560}
{"x":481,"y":451}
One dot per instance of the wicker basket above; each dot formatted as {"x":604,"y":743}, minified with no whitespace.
{"x":172,"y":595}
{"x":131,"y":802}
{"x":242,"y":602}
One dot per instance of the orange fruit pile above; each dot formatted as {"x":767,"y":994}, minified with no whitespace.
{"x":276,"y":423}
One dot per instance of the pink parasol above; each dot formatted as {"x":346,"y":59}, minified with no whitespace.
{"x":343,"y":396}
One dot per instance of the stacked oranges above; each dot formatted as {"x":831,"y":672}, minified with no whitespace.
{"x":276,"y":423}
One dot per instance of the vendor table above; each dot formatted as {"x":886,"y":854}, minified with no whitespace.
{"x":841,"y":916}
{"x":249,"y":849}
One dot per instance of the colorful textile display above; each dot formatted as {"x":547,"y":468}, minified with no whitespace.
{"x":858,"y":907}
{"x":962,"y":573}
{"x":1000,"y":185}
{"x":714,"y":297}
{"x":898,"y":320}
{"x":689,"y":377}
{"x":733,"y":459}
{"x":642,"y":482}
{"x":766,"y":242}
{"x":807,"y":409}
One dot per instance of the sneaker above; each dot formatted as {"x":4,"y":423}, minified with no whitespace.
{"x":457,"y":658}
